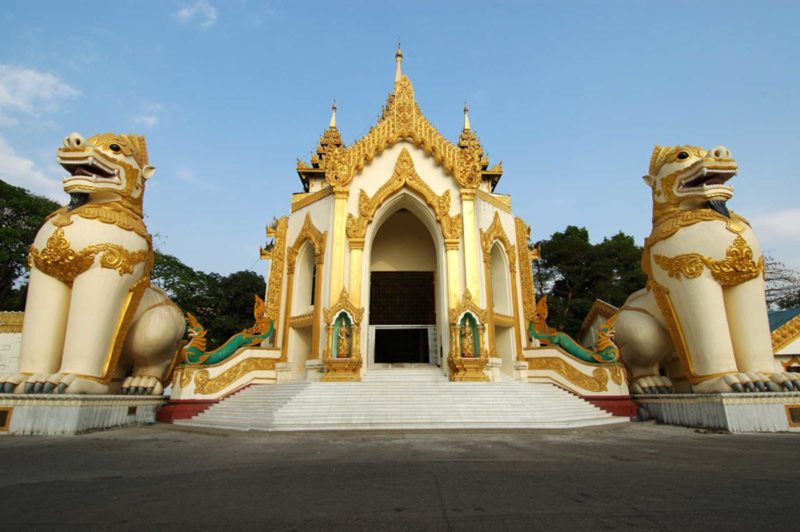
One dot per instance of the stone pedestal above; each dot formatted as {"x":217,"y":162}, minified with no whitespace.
{"x":493,"y":368}
{"x":521,"y":371}
{"x":314,"y":370}
{"x":734,"y":412}
{"x":283,"y":372}
{"x":74,"y":414}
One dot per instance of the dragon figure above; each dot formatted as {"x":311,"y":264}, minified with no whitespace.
{"x":194,"y":353}
{"x":605,"y":350}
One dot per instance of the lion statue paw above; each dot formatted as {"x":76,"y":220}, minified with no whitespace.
{"x":651,"y":385}
{"x":143,"y":385}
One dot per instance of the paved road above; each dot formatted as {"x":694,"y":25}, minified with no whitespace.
{"x":643,"y":477}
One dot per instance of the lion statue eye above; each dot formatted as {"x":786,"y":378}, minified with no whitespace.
{"x":683,"y":155}
{"x":115,"y":148}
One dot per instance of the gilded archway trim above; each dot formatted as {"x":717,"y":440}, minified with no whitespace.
{"x":308,"y":233}
{"x":404,"y":176}
{"x":496,"y":233}
{"x":525,"y":274}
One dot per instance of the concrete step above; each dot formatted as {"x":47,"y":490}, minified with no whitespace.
{"x":424,"y":401}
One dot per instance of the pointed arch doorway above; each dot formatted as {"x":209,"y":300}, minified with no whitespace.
{"x":405,"y":289}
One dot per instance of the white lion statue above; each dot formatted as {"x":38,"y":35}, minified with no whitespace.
{"x":702,"y":318}
{"x":93,"y":324}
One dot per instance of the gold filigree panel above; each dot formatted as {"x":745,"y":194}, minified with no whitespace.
{"x":59,"y":260}
{"x":278,"y":258}
{"x":786,"y":334}
{"x":737,"y":267}
{"x":525,"y":274}
{"x":11,"y":322}
{"x":204,"y":385}
{"x":402,"y":120}
{"x":597,"y":382}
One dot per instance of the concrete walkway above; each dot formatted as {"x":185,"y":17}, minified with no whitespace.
{"x":642,"y":476}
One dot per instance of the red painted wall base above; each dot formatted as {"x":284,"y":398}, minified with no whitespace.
{"x":618,"y":405}
{"x":185,"y":409}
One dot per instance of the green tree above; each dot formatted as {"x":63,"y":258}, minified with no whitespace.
{"x":21,"y":215}
{"x":573,"y":272}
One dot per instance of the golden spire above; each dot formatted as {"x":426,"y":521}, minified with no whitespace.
{"x":398,"y":56}
{"x":332,"y":123}
{"x":466,"y":117}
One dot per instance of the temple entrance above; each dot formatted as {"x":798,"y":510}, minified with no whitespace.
{"x":402,"y":294}
{"x":402,"y":316}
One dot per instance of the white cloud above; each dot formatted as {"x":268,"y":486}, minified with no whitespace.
{"x":149,"y":115}
{"x":779,"y":233}
{"x":23,"y":172}
{"x":201,"y":10}
{"x":29,"y":92}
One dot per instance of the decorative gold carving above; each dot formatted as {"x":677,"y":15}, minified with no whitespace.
{"x":304,"y":200}
{"x":346,"y":366}
{"x":781,"y":337}
{"x":525,"y":274}
{"x":597,"y":382}
{"x":11,"y":322}
{"x":114,"y":212}
{"x":402,"y":120}
{"x":501,"y":202}
{"x":308,"y":233}
{"x":737,"y":267}
{"x":669,"y":225}
{"x":495,"y":232}
{"x":204,"y":385}
{"x":463,"y":368}
{"x":404,"y":176}
{"x":59,"y":260}
{"x":278,"y":258}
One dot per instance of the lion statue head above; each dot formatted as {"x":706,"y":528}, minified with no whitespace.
{"x":105,"y":167}
{"x":688,"y":177}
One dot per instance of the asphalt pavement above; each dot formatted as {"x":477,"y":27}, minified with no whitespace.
{"x":643,"y":476}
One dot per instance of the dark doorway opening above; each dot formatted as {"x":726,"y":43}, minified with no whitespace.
{"x":401,"y":346}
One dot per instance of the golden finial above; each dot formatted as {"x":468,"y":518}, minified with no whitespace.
{"x":398,"y":56}
{"x":466,"y":117}
{"x":332,"y":123}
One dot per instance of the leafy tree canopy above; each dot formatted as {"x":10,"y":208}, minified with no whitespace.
{"x":573,"y":272}
{"x":21,"y":215}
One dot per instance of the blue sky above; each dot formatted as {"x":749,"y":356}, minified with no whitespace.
{"x":571,"y":96}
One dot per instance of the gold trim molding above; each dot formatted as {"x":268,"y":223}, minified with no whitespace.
{"x":526,"y":275}
{"x":302,"y":320}
{"x":204,"y":385}
{"x":496,"y":200}
{"x":11,"y":322}
{"x":495,"y":232}
{"x":786,"y":334}
{"x":305,"y":199}
{"x":278,"y":259}
{"x":597,"y":382}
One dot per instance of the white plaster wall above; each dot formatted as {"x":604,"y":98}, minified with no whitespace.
{"x":501,"y":281}
{"x":403,"y":243}
{"x":9,"y":352}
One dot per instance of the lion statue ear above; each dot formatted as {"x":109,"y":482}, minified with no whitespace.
{"x":148,"y":171}
{"x":650,"y":180}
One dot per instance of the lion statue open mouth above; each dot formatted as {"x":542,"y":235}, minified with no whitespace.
{"x":701,"y":323}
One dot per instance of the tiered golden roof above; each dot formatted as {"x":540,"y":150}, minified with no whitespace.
{"x":400,"y":119}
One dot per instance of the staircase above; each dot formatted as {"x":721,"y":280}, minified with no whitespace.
{"x":414,"y":398}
